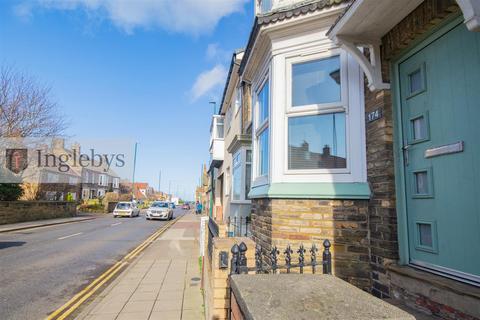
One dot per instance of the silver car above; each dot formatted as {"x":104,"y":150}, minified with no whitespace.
{"x":126,"y":209}
{"x":159,"y":210}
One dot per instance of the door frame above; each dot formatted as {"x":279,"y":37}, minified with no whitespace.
{"x":399,"y":135}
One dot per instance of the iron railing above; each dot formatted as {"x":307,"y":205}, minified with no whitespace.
{"x":239,"y":261}
{"x":239,"y":227}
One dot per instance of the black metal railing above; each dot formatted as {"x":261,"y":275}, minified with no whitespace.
{"x":239,"y":227}
{"x":238,"y":263}
{"x":212,"y":233}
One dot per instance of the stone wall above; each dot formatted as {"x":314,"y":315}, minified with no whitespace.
{"x":21,"y":211}
{"x":292,"y":221}
{"x":215,"y":280}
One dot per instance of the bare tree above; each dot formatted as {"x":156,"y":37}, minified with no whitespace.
{"x":26,"y":107}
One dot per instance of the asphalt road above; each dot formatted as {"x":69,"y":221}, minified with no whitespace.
{"x":41,"y":269}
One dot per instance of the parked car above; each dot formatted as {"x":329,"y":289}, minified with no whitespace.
{"x":186,"y":206}
{"x":159,"y":210}
{"x":126,"y":209}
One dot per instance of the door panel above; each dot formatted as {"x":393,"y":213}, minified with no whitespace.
{"x":440,"y":106}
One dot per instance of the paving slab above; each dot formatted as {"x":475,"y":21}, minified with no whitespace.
{"x":163,"y":282}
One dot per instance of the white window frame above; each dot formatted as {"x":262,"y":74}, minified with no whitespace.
{"x":317,"y":109}
{"x":242,"y":153}
{"x":116,"y":183}
{"x":102,"y":180}
{"x":238,"y":99}
{"x":228,"y":118}
{"x":259,"y":128}
{"x":226,"y":182}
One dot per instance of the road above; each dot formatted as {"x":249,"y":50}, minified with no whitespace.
{"x":41,"y":269}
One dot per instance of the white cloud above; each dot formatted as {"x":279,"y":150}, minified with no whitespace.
{"x":208,"y":81}
{"x":185,"y":16}
{"x":216,"y":53}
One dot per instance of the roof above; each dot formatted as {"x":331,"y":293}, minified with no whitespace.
{"x":232,"y":66}
{"x":284,"y":13}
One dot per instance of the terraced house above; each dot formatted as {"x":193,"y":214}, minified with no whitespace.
{"x":361,"y":116}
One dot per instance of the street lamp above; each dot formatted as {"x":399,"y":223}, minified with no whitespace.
{"x":134,"y":166}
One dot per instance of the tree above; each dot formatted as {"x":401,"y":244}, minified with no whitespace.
{"x":26,"y":107}
{"x":10,"y":191}
{"x":31,"y":191}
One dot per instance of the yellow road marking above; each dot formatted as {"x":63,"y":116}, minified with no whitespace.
{"x":83,"y":295}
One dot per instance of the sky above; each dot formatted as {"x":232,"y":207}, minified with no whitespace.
{"x":132,"y":71}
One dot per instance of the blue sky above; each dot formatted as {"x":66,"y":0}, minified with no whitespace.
{"x":135,"y":70}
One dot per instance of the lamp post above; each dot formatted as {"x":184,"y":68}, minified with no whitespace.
{"x":134,"y":167}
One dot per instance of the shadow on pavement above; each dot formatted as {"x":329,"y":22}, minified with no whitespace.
{"x":8,"y":244}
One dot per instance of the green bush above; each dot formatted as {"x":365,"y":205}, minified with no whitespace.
{"x":10,"y":191}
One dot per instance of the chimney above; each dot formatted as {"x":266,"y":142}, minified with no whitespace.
{"x":76,"y":148}
{"x":305,"y":146}
{"x":326,"y":150}
{"x":58,"y":144}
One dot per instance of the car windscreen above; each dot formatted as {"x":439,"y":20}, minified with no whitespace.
{"x":160,"y":205}
{"x":123,"y":206}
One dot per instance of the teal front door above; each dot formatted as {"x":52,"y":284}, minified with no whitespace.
{"x":440,"y":111}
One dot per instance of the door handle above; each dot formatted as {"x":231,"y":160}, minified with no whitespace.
{"x":405,"y":149}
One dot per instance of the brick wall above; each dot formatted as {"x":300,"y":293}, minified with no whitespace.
{"x":291,"y":221}
{"x":381,"y":176}
{"x":21,"y":211}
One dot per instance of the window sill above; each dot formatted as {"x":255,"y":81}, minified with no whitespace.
{"x":335,"y":190}
{"x":240,"y":202}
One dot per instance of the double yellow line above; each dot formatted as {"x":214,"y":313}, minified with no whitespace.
{"x":73,"y":304}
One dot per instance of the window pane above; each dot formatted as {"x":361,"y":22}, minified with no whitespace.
{"x":316,"y":82}
{"x":263,"y":150}
{"x":249,"y":156}
{"x":220,"y":131}
{"x":421,"y":182}
{"x":248,"y":177}
{"x":416,"y":81}
{"x":317,"y":142}
{"x":425,"y":234}
{"x":419,"y":128}
{"x":236,"y":183}
{"x":263,"y":102}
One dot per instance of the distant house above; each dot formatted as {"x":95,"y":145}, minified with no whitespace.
{"x":141,"y":190}
{"x":53,"y":184}
{"x":97,"y":179}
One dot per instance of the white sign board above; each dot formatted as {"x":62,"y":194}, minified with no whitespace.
{"x":203,"y":230}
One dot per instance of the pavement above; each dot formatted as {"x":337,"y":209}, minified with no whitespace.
{"x":42,"y":268}
{"x":164,"y":281}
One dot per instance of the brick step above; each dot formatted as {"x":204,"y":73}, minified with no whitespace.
{"x":433,"y":294}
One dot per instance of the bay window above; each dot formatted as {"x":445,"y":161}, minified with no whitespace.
{"x":241,"y":174}
{"x":262,"y":129}
{"x":237,"y":177}
{"x":248,"y":172}
{"x":316,"y":113}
